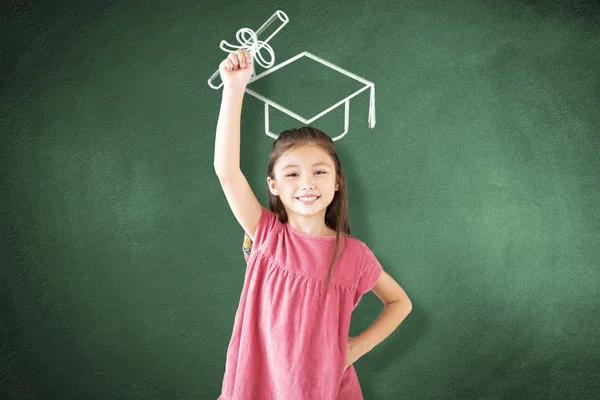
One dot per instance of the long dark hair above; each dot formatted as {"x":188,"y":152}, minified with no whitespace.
{"x":336,"y":214}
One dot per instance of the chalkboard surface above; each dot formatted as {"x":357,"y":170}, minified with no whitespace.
{"x":478,"y":190}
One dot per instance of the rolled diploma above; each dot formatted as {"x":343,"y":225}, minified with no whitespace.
{"x":254,"y":47}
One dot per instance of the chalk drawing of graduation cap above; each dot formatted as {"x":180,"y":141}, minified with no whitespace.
{"x":249,"y":40}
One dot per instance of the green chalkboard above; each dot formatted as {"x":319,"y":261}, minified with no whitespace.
{"x":478,"y":190}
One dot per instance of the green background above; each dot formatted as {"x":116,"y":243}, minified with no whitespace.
{"x":478,"y":190}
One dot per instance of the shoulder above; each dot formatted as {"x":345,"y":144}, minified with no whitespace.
{"x":268,"y":225}
{"x":359,"y":252}
{"x":269,"y":219}
{"x":357,"y":244}
{"x":368,"y":264}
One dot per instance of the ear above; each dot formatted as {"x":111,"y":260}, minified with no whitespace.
{"x":272,"y":186}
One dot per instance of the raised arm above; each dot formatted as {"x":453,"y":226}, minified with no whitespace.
{"x":242,"y":201}
{"x":227,"y":141}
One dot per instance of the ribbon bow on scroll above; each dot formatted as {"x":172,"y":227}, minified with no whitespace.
{"x":248,"y":40}
{"x":253,"y":45}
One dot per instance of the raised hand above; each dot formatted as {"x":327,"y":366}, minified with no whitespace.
{"x":236,"y":70}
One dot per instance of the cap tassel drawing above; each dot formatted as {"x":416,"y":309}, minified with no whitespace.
{"x":249,"y":40}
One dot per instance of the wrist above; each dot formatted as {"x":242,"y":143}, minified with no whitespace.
{"x":234,"y":88}
{"x":361,"y":345}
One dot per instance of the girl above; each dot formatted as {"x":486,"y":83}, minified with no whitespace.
{"x":290,"y":337}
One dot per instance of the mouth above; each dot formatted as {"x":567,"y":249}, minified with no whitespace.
{"x":308,"y":200}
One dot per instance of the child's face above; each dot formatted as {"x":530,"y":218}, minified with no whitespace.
{"x":304,"y":179}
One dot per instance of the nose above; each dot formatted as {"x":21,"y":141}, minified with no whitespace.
{"x":309,"y":185}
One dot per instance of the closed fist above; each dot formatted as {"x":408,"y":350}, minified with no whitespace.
{"x":237,"y":69}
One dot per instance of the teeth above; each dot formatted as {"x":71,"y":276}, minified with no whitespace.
{"x":307,"y":198}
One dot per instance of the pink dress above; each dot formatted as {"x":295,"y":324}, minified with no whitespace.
{"x":289,"y":336}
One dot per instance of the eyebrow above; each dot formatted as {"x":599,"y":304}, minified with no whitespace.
{"x":314,"y":165}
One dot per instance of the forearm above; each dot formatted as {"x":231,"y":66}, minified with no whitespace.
{"x":391,"y":316}
{"x":227,"y":141}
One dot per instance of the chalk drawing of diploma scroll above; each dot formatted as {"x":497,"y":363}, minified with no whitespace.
{"x":324,"y":106}
{"x":249,"y":40}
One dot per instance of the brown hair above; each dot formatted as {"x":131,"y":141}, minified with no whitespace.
{"x":336,"y":214}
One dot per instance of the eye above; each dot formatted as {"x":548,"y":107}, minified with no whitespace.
{"x":293,"y":173}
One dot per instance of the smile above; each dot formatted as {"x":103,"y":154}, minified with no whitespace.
{"x":308,"y":200}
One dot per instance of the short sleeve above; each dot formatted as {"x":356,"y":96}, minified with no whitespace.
{"x":266,"y":224}
{"x":370,"y":272}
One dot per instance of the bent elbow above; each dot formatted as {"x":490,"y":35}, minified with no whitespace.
{"x":408,"y":305}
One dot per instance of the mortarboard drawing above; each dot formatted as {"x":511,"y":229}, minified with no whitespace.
{"x":249,"y":40}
